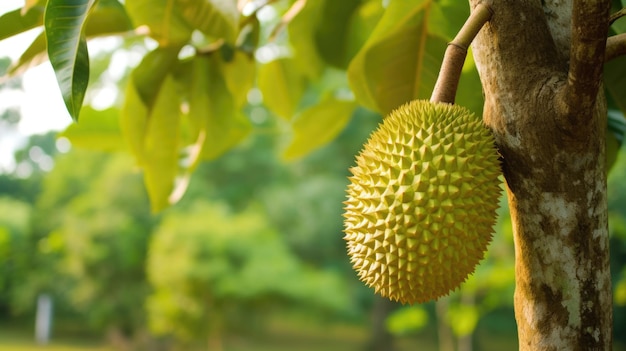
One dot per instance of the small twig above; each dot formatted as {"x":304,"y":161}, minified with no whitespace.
{"x":293,"y":11}
{"x":454,"y":57}
{"x":211,"y":48}
{"x":617,"y":15}
{"x":615,"y":47}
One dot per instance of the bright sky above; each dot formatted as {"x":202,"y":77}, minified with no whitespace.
{"x":40,"y":102}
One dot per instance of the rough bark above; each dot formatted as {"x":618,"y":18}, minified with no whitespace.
{"x":549,"y":125}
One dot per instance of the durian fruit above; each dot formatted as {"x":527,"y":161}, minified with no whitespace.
{"x":422,"y":201}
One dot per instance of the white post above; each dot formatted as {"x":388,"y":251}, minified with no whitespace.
{"x":43,"y":321}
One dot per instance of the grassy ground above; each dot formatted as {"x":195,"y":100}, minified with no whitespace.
{"x":13,"y":339}
{"x":279,"y":335}
{"x":287,"y":335}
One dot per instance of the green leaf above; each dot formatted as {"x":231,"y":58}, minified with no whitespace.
{"x":616,"y":128}
{"x":240,"y":75}
{"x":302,"y":39}
{"x":97,"y":130}
{"x":164,"y":21}
{"x":615,"y":81}
{"x":447,"y":17}
{"x":141,"y":92}
{"x":108,"y":17}
{"x":172,"y":22}
{"x":615,"y":85}
{"x":133,"y":121}
{"x":151,"y":72}
{"x":248,"y":38}
{"x":612,"y":150}
{"x":470,"y":90}
{"x":318,"y":126}
{"x":618,"y":26}
{"x":282,"y":86}
{"x":161,"y":146}
{"x":29,"y":4}
{"x":13,"y":22}
{"x":616,"y":124}
{"x":331,"y":31}
{"x":212,"y":109}
{"x":362,"y":24}
{"x":215,"y":18}
{"x":401,"y":59}
{"x":32,"y":56}
{"x":67,"y":49}
{"x":331,"y":35}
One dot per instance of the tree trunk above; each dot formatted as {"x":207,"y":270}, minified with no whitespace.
{"x":381,"y":339}
{"x":466,"y":342}
{"x":445,"y":335}
{"x":554,"y":164}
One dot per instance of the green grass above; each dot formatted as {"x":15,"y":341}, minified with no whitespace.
{"x":282,"y":334}
{"x":12,"y":339}
{"x":300,"y":334}
{"x":52,"y":347}
{"x":278,"y":335}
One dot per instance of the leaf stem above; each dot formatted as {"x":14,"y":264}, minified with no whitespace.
{"x":454,"y":57}
{"x":210,"y":48}
{"x":293,"y":11}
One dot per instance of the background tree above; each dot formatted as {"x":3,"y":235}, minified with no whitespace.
{"x":208,"y":282}
{"x":103,"y":247}
{"x":13,"y":229}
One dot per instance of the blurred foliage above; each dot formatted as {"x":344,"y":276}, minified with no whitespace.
{"x":14,"y":220}
{"x":255,"y":242}
{"x":617,"y":230}
{"x":183,"y":102}
{"x":103,"y":241}
{"x":214,"y":270}
{"x":87,"y":240}
{"x":407,"y":320}
{"x":86,"y":249}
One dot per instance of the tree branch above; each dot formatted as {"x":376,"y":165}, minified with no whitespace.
{"x":615,"y":46}
{"x":293,"y":11}
{"x":590,"y":23}
{"x":454,"y":57}
{"x":617,"y":15}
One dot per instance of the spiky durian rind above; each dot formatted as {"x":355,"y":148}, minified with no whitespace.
{"x":422,"y":201}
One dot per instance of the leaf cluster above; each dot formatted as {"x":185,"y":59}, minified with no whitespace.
{"x":210,"y":61}
{"x":185,"y":102}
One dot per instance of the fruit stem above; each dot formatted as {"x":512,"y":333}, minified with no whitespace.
{"x":454,"y":57}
